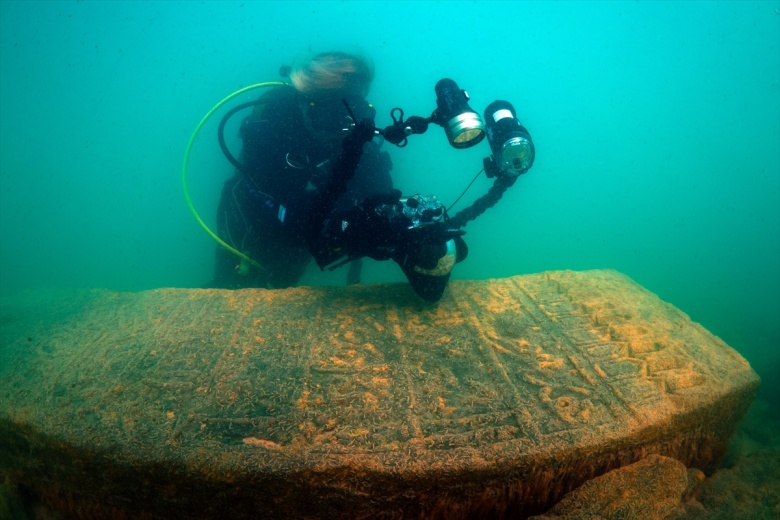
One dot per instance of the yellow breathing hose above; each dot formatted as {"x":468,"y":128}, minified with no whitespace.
{"x":187,"y":158}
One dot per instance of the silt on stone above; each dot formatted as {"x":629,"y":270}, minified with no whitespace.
{"x":358,"y":401}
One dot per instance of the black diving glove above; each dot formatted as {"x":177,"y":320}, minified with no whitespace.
{"x":364,"y":230}
{"x":411,"y":231}
{"x":351,"y":150}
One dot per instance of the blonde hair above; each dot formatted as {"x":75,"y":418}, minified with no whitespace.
{"x":333,"y":72}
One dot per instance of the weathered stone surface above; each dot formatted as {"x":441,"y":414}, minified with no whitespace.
{"x":654,"y":487}
{"x":357,"y":401}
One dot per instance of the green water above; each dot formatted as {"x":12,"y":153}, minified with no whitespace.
{"x":657,"y":127}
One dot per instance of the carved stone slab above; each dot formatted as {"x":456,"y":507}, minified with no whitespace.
{"x":355,"y":402}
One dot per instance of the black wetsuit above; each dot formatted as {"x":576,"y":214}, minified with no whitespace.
{"x":290,"y":145}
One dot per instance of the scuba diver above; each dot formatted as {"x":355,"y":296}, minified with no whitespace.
{"x":290,"y":143}
{"x":313,"y":181}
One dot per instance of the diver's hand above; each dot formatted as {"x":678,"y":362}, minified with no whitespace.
{"x":351,"y":151}
{"x":361,"y":132}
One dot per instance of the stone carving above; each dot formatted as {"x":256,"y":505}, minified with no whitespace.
{"x":356,"y":401}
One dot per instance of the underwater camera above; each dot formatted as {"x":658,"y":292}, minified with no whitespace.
{"x":511,"y":144}
{"x":421,"y":210}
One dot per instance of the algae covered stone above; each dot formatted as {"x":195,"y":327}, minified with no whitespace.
{"x":356,"y":401}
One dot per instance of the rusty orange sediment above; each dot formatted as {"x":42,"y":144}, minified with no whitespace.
{"x":359,"y":401}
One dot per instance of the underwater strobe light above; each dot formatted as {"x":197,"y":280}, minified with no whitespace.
{"x":511,"y":144}
{"x":463,"y":126}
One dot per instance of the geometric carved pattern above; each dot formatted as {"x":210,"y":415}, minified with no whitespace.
{"x":360,"y":400}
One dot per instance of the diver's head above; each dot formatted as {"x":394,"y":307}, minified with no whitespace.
{"x":333,"y":74}
{"x":327,"y":82}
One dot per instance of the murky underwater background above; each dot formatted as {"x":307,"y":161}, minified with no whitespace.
{"x":657,"y":128}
